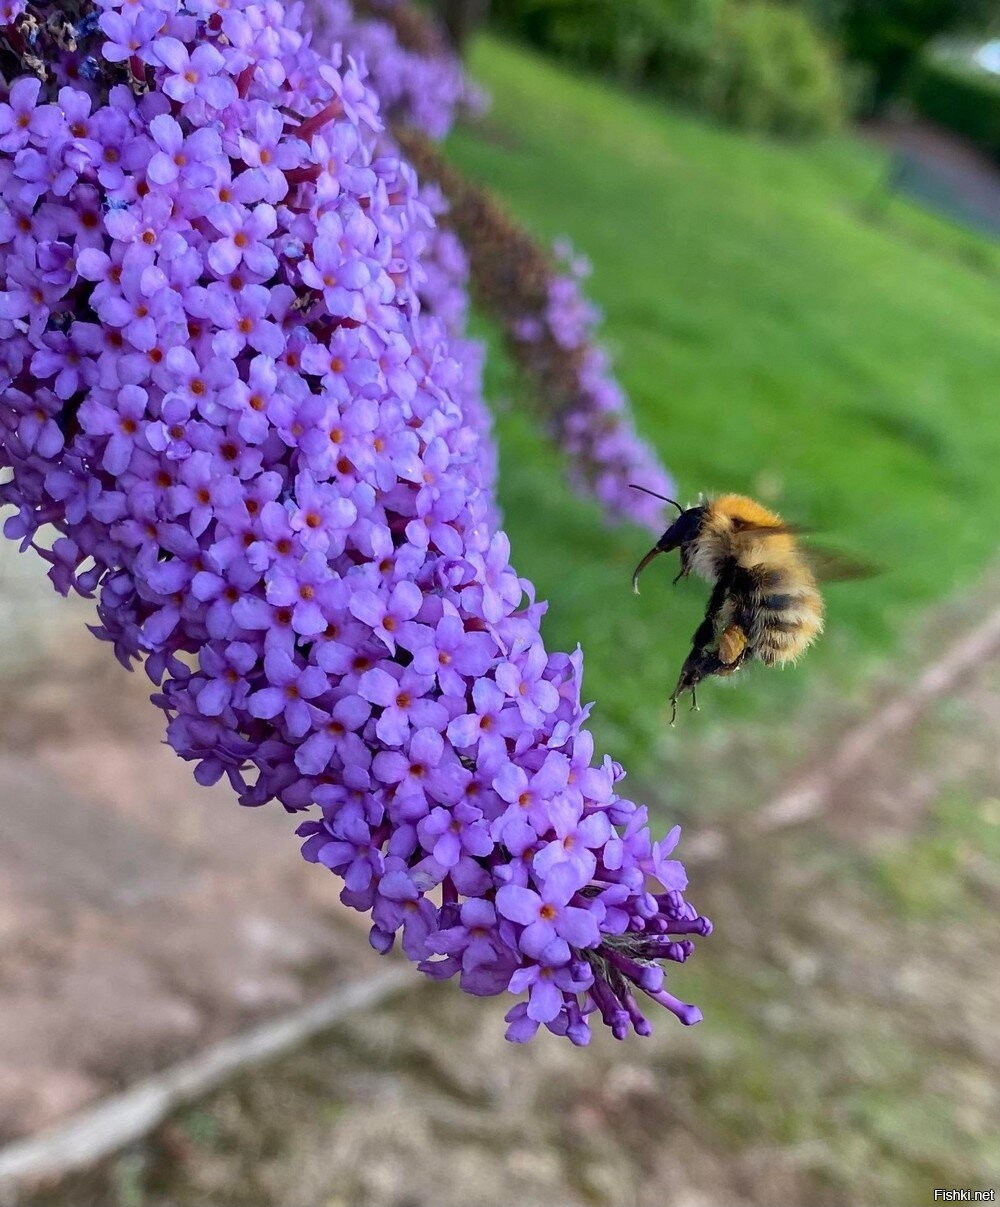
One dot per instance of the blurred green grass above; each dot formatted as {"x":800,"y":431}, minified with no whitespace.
{"x":784,"y":328}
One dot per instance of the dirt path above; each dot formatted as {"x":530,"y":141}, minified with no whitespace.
{"x":942,"y":171}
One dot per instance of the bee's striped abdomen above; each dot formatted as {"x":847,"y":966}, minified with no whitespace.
{"x":787,"y":612}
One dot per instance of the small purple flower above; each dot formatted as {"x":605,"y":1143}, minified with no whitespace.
{"x":244,"y":318}
{"x":58,"y":358}
{"x":336,"y":734}
{"x":311,"y":591}
{"x":321,"y":519}
{"x":226,"y":683}
{"x":486,"y":729}
{"x":23,"y":119}
{"x":291,"y":687}
{"x":389,"y":618}
{"x":123,"y":425}
{"x":267,"y":155}
{"x":400,"y":903}
{"x":36,"y":426}
{"x":448,"y":833}
{"x":473,"y":942}
{"x":340,"y":283}
{"x":456,"y":656}
{"x":546,"y":984}
{"x":245,"y":240}
{"x":576,"y":839}
{"x":527,"y":795}
{"x":198,"y":73}
{"x":129,"y":33}
{"x":424,"y":773}
{"x":201,"y":491}
{"x":402,"y":696}
{"x":523,"y":682}
{"x":350,"y":853}
{"x":178,"y":158}
{"x":547,"y":915}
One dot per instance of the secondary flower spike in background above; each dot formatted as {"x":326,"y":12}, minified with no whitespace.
{"x":225,"y":413}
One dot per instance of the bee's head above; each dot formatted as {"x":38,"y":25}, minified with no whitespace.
{"x":681,"y":534}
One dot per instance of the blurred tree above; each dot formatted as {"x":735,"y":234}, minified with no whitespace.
{"x":888,"y":35}
{"x":461,"y":18}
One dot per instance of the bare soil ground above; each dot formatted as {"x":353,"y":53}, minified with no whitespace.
{"x":849,"y":1053}
{"x":141,"y":916}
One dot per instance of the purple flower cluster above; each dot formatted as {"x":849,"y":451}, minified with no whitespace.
{"x":444,"y":293}
{"x":595,"y":427}
{"x":225,"y":413}
{"x":423,"y":86}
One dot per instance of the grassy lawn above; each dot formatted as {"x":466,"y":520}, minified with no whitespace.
{"x":783,"y":329}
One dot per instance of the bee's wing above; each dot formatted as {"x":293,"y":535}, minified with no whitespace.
{"x":781,"y":529}
{"x":829,"y":565}
{"x":834,"y":566}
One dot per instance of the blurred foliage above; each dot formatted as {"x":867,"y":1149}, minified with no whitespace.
{"x":949,"y":88}
{"x":769,"y":71}
{"x":755,"y":64}
{"x":888,"y":35}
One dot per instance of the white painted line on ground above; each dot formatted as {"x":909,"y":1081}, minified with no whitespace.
{"x":109,"y":1125}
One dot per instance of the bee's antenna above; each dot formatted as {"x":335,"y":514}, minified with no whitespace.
{"x":646,"y":490}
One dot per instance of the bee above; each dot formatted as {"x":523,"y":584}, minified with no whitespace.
{"x":765,"y":603}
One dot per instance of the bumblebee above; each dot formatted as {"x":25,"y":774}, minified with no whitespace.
{"x":764,"y":605}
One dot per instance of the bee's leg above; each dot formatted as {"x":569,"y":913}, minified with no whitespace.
{"x":704,"y":634}
{"x":697,"y":665}
{"x":702,"y":660}
{"x":685,"y":682}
